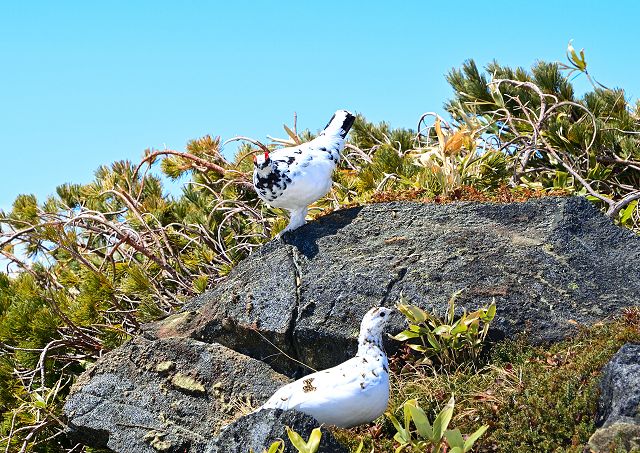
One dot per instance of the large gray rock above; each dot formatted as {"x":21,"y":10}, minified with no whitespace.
{"x":548,"y":263}
{"x":620,"y":387}
{"x":617,"y":437}
{"x":256,"y":432}
{"x":619,"y":405}
{"x":166,"y":395}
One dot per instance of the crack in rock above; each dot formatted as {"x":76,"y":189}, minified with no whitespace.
{"x":290,"y":334}
{"x":402,"y":272}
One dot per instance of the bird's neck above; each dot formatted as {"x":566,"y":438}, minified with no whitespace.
{"x":369,"y":344}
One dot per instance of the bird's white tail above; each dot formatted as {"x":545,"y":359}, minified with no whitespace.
{"x":339,"y":124}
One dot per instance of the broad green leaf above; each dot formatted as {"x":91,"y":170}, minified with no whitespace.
{"x":314,"y":440}
{"x":418,"y":347}
{"x":413,"y":313}
{"x":405,"y":335}
{"x":454,"y":438}
{"x":422,"y":330}
{"x":407,"y":416}
{"x":626,"y":213}
{"x":301,"y":445}
{"x":560,"y":180}
{"x":295,"y":438}
{"x":421,"y":421}
{"x":433,"y":341}
{"x":276,"y":447}
{"x":442,"y":420}
{"x":573,"y":56}
{"x":459,"y":328}
{"x":401,"y":433}
{"x":441,"y":330}
{"x":496,"y":95}
{"x":39,"y":402}
{"x":491,"y":313}
{"x":468,"y":319}
{"x":468,"y":444}
{"x":452,"y":306}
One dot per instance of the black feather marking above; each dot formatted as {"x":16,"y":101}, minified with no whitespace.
{"x":346,"y":126}
{"x":268,"y":182}
{"x":273,"y":185}
{"x":289,"y":160}
{"x":334,"y":115}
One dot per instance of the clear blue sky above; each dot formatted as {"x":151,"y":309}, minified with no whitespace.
{"x":84,"y":83}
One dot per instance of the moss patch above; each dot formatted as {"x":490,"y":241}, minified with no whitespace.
{"x":187,"y":383}
{"x":166,"y":366}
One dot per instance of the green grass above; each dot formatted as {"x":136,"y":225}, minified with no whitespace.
{"x":534,"y":398}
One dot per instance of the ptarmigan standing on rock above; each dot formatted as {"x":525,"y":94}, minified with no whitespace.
{"x":350,"y":394}
{"x":293,"y":178}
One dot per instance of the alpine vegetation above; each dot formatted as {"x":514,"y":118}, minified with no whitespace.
{"x":88,"y":266}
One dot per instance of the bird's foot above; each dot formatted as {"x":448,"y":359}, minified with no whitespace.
{"x":280,"y":237}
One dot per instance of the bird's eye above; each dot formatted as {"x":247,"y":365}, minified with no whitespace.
{"x":382,"y":315}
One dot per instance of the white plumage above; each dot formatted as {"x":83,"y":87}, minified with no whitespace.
{"x":292,"y":178}
{"x":350,"y":394}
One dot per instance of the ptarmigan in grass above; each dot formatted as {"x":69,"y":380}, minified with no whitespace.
{"x":292,"y":178}
{"x":350,"y":394}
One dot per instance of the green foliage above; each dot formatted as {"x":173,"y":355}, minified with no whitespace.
{"x":548,"y":396}
{"x":302,"y":446}
{"x":276,"y":447}
{"x":450,"y":341}
{"x":309,"y":446}
{"x":428,"y":437}
{"x":92,"y":262}
{"x":588,"y":146}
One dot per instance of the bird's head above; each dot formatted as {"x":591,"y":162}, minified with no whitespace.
{"x":375,"y":320}
{"x":262,"y":164}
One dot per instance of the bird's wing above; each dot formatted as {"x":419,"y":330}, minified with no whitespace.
{"x":324,"y":147}
{"x":332,"y":384}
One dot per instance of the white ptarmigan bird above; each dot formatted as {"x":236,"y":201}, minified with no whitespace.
{"x":350,"y":394}
{"x":292,"y":178}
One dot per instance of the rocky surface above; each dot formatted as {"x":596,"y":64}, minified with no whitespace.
{"x":618,"y":437}
{"x":259,"y":430}
{"x":165,"y":395}
{"x":619,"y":406}
{"x":620,"y":387}
{"x":549,"y":264}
